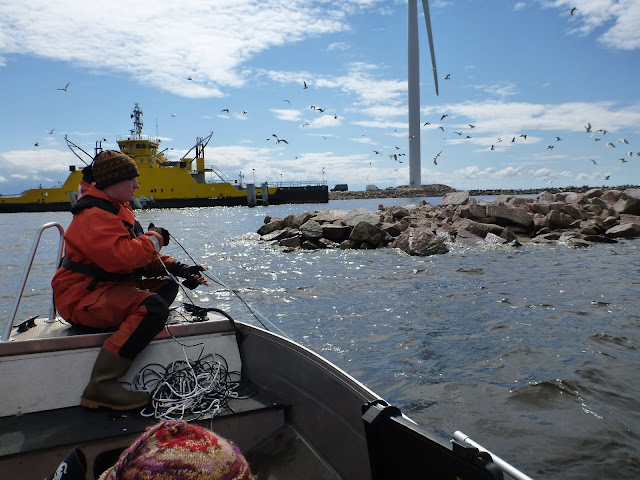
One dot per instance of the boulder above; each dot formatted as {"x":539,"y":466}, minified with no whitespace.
{"x":627,"y":205}
{"x":465,"y":237}
{"x":271,"y":227}
{"x":311,"y":229}
{"x":353,"y":217}
{"x":364,"y":232}
{"x":456,"y":198}
{"x":335,"y":233}
{"x":626,"y":230}
{"x":420,"y":242}
{"x":519,"y":216}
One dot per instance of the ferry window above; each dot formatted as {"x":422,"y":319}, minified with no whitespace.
{"x":162,"y":189}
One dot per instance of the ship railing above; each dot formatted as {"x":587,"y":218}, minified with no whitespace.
{"x":6,"y":334}
{"x":138,"y":137}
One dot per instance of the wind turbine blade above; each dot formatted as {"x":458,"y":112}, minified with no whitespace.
{"x":427,"y":19}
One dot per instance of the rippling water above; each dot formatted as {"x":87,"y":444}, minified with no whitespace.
{"x":533,"y":352}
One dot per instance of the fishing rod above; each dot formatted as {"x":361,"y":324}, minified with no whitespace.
{"x":258,"y":316}
{"x":70,"y":143}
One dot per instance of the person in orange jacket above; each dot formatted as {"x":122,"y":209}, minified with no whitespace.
{"x":113,"y":277}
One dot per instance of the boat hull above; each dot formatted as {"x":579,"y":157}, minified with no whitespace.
{"x":283,"y":195}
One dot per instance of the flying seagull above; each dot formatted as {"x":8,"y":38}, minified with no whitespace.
{"x":305,"y":85}
{"x":51,"y":132}
{"x":602,"y":131}
{"x":549,"y":147}
{"x":558,"y":139}
{"x":623,"y":140}
{"x":606,"y":177}
{"x":224,"y":110}
{"x":622,"y":160}
{"x":594,"y":162}
{"x":36,"y":144}
{"x":447,"y":77}
{"x":573,"y":10}
{"x":443,"y":117}
{"x":278,"y":140}
{"x":610,"y":145}
{"x":287,"y":101}
{"x":588,"y":128}
{"x":65,"y":87}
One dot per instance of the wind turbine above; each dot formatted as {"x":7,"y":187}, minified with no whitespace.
{"x":414,"y":85}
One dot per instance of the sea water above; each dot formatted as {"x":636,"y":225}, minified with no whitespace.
{"x":534,"y":352}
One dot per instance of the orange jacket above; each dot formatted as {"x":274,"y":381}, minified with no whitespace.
{"x":101,"y":239}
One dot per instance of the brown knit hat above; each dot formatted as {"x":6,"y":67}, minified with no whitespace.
{"x":111,"y":167}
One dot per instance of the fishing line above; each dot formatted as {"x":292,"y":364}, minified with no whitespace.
{"x":258,"y":316}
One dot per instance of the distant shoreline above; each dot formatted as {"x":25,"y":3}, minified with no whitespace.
{"x":439,"y":190}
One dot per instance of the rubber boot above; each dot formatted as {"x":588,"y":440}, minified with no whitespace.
{"x":104,"y":390}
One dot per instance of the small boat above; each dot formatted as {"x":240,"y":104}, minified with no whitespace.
{"x":168,"y":184}
{"x":292,"y":413}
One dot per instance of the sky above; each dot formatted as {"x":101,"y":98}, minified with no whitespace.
{"x":529,"y":76}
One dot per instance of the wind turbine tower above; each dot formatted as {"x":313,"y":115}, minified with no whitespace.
{"x":413,"y":61}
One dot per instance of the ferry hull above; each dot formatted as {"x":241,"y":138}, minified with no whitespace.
{"x":283,"y":195}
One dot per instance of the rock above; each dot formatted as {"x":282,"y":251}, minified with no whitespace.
{"x":271,"y":227}
{"x":627,"y":205}
{"x":577,"y":243}
{"x":557,"y":219}
{"x":336,"y":233}
{"x":516,"y":215}
{"x":297,"y":220}
{"x":627,"y":230}
{"x":456,"y":198}
{"x":473,"y":211}
{"x":311,"y":229}
{"x":594,"y":192}
{"x":291,"y":242}
{"x":495,"y":239}
{"x":611,"y":196}
{"x":353,"y":217}
{"x":420,"y":242}
{"x":626,"y":218}
{"x":364,"y":232}
{"x":465,"y":237}
{"x":599,"y":239}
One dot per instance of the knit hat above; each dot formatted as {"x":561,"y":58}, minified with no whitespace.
{"x":175,"y":450}
{"x":110,"y":167}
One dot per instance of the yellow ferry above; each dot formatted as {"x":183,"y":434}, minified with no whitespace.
{"x":169,"y":184}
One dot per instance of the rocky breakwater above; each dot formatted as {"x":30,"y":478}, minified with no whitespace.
{"x":570,"y":218}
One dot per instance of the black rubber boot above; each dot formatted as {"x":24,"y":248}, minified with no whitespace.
{"x":104,"y":390}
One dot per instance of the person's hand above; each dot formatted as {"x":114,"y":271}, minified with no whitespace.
{"x":190,"y":272}
{"x":162,"y":231}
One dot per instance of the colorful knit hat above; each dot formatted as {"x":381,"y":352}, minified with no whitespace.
{"x":110,"y":167}
{"x":175,"y":450}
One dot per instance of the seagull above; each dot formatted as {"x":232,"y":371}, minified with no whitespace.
{"x":630,"y":154}
{"x":278,"y":140}
{"x":189,"y":78}
{"x":335,"y":116}
{"x":443,"y":117}
{"x":622,"y":160}
{"x":393,"y":156}
{"x":523,"y":136}
{"x":573,"y":10}
{"x":513,"y":140}
{"x":596,"y":139}
{"x":320,"y":110}
{"x":425,"y":124}
{"x":492,"y":147}
{"x":602,"y":131}
{"x":36,"y":144}
{"x":306,"y":125}
{"x":588,"y":128}
{"x":377,"y":152}
{"x":549,"y":147}
{"x":441,"y":128}
{"x":458,"y":133}
{"x":447,"y":76}
{"x":174,"y":114}
{"x":594,"y":162}
{"x":65,"y":87}
{"x":471,"y":125}
{"x":51,"y":132}
{"x":623,"y":140}
{"x":436,"y":157}
{"x":558,"y":139}
{"x":244,"y":112}
{"x":606,"y":177}
{"x":287,"y":101}
{"x":610,"y":145}
{"x":305,"y":86}
{"x":224,"y":110}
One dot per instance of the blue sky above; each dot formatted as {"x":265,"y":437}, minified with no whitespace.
{"x":516,"y":68}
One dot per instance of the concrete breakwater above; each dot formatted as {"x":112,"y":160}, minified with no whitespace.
{"x":577,"y":219}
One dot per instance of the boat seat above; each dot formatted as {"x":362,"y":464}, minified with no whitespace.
{"x":56,"y":432}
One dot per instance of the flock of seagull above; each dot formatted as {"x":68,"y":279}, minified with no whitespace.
{"x":396,"y":156}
